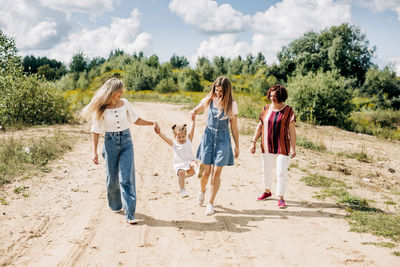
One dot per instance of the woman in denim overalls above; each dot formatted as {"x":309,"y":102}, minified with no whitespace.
{"x":215,"y":150}
{"x":114,"y":116}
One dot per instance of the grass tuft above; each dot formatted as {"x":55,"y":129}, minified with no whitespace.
{"x":305,"y":143}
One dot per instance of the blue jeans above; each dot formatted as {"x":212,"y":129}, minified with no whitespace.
{"x":119,"y":156}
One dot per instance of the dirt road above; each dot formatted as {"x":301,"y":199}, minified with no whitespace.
{"x":65,"y":221}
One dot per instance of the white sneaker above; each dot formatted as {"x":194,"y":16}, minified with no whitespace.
{"x":183,"y":193}
{"x":131,"y":221}
{"x":200,"y":198}
{"x":210,"y":209}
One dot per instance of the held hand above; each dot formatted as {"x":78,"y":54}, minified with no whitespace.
{"x":193,"y":112}
{"x":236,"y":152}
{"x":96,"y":158}
{"x":157,"y":128}
{"x":253,"y":147}
{"x":292,"y":154}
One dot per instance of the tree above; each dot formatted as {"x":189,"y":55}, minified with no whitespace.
{"x":189,"y":80}
{"x":9,"y":61}
{"x":203,"y":66}
{"x":54,"y":70}
{"x":236,"y":66}
{"x":153,"y":61}
{"x":382,"y":85}
{"x":178,"y":62}
{"x":323,"y":98}
{"x":260,"y":61}
{"x":220,"y":67}
{"x":26,"y":99}
{"x":78,"y":63}
{"x":341,"y":47}
{"x":95,"y":62}
{"x":46,"y":72}
{"x":116,"y":53}
{"x":249,"y":66}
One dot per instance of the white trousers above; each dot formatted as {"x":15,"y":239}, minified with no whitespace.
{"x":281,"y":169}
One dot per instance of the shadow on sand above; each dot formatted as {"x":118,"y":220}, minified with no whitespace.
{"x":231,"y":220}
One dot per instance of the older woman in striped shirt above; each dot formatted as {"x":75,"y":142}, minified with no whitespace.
{"x":278,"y":141}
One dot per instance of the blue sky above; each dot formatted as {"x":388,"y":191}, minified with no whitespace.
{"x":60,"y":28}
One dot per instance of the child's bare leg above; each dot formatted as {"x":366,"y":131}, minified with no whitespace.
{"x":181,"y":179}
{"x":190,"y":172}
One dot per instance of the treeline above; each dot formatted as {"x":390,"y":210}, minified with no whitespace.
{"x":330,"y":75}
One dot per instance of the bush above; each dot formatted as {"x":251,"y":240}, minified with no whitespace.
{"x":29,"y":101}
{"x":139,"y":76}
{"x":167,"y":85}
{"x":189,"y":80}
{"x":25,"y":99}
{"x":322,"y":98}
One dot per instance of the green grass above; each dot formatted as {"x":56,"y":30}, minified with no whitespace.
{"x":20,"y":189}
{"x":316,"y":180}
{"x":362,"y":217}
{"x":396,"y":253}
{"x":305,"y":143}
{"x":360,"y":156}
{"x":390,"y":202}
{"x":3,"y":201}
{"x":17,"y":156}
{"x":380,"y":244}
{"x":377,"y":223}
{"x":4,"y":180}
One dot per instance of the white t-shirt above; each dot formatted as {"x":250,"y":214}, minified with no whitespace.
{"x":235,"y":109}
{"x":183,"y":155}
{"x":115,"y":119}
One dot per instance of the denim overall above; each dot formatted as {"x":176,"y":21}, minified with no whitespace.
{"x":215,"y":147}
{"x":119,"y":156}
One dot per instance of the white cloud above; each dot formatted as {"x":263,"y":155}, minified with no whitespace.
{"x":43,"y":31}
{"x":279,"y":25}
{"x":380,"y":6}
{"x":208,"y":17}
{"x":396,"y":65}
{"x":123,"y":33}
{"x":225,"y":45}
{"x":31,"y":25}
{"x":289,"y":19}
{"x":85,"y":6}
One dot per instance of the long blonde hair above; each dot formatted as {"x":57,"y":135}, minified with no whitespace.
{"x":102,"y":97}
{"x":225,"y":103}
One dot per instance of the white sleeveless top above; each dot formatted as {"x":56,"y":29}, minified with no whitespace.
{"x":183,"y":155}
{"x":115,"y":119}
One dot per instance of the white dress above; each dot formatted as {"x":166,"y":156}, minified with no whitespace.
{"x":183,"y":155}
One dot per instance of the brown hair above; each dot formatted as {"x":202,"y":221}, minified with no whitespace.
{"x":225,"y":103}
{"x":281,"y":92}
{"x":177,"y":128}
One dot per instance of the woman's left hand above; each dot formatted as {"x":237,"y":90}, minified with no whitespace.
{"x":236,"y":152}
{"x":292,"y":154}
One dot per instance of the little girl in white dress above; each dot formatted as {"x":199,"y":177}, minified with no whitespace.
{"x":185,"y":164}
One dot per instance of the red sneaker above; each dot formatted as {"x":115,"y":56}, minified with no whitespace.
{"x":264,"y":196}
{"x":282,"y":204}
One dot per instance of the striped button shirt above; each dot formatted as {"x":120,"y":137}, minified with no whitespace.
{"x":275,"y":129}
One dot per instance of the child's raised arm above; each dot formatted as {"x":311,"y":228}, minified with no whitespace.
{"x":166,"y":139}
{"x":191,"y":133}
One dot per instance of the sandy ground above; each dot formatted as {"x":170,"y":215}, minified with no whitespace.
{"x":65,"y":221}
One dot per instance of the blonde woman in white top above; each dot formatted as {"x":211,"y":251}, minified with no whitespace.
{"x":114,"y":115}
